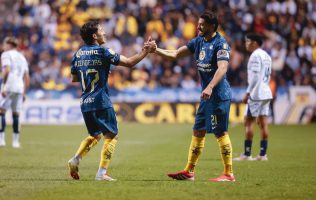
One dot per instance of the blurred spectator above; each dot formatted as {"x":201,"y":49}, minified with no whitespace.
{"x":49,"y":34}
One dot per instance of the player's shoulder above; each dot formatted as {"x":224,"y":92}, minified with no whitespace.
{"x":260,"y":52}
{"x":5,"y":54}
{"x":108,"y":50}
{"x":221,"y":42}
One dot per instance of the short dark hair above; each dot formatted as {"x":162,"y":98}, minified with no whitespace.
{"x":255,"y":37}
{"x":11,"y":40}
{"x":210,"y":18}
{"x":87,"y":30}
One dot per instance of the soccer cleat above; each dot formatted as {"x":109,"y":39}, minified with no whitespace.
{"x":183,"y":175}
{"x":73,"y":168}
{"x":104,"y":177}
{"x":16,"y":144}
{"x":243,"y":157}
{"x":261,"y":158}
{"x":223,"y":178}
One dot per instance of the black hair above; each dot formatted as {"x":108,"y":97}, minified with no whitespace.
{"x":210,"y":18}
{"x":12,"y":41}
{"x":255,"y":37}
{"x":87,"y":30}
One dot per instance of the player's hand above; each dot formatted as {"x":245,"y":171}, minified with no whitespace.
{"x":207,"y":92}
{"x":150,"y":45}
{"x":245,"y":99}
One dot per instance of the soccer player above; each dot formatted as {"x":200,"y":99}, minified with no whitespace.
{"x":15,"y":77}
{"x":211,"y":52}
{"x":90,"y":66}
{"x":258,"y":96}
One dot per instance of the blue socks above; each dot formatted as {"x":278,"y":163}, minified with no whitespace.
{"x":2,"y":122}
{"x":16,"y":128}
{"x":247,"y":146}
{"x":263,"y":147}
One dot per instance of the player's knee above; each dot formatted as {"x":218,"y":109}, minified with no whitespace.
{"x":97,"y":137}
{"x":2,"y":111}
{"x":198,"y":133}
{"x":264,"y":135}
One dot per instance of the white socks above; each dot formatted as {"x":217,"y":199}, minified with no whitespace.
{"x":2,"y":139}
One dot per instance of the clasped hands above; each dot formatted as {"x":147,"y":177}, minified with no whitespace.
{"x":150,"y":45}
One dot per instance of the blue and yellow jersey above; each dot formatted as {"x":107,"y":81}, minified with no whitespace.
{"x":207,"y":54}
{"x":91,"y":64}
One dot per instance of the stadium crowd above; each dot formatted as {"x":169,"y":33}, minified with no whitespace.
{"x":48,"y":32}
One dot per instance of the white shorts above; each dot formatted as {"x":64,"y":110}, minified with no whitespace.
{"x":257,"y":108}
{"x":13,"y":101}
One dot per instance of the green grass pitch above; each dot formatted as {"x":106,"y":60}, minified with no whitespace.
{"x":145,"y":153}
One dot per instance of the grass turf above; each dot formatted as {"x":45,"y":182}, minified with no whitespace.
{"x":145,"y":153}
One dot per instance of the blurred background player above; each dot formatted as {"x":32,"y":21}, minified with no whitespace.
{"x":211,"y":52}
{"x":15,"y":76}
{"x":258,"y":96}
{"x":90,"y":66}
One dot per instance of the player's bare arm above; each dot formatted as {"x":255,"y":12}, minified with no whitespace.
{"x":218,"y":76}
{"x":173,"y":54}
{"x":132,"y":61}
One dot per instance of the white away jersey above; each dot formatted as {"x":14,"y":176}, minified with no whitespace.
{"x":17,"y":67}
{"x":259,"y":72}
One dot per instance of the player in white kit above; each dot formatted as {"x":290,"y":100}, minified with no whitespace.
{"x":258,"y":96}
{"x":15,"y":81}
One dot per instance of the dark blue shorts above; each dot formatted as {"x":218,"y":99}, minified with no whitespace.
{"x":212,"y":116}
{"x":101,"y":121}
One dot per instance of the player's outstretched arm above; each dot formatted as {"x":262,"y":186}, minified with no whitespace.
{"x":149,"y":46}
{"x":173,"y":54}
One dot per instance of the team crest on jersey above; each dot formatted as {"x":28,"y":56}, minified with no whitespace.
{"x":202,"y":55}
{"x":211,"y":47}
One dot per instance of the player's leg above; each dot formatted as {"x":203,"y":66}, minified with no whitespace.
{"x":262,"y":121}
{"x":217,"y":123}
{"x":86,"y":145}
{"x":110,"y":141}
{"x":16,"y":106}
{"x":2,"y":127}
{"x":264,"y":130}
{"x":263,"y":124}
{"x":5,"y":103}
{"x":16,"y":130}
{"x":196,"y":147}
{"x":226,"y":151}
{"x":249,"y":119}
{"x":108,"y":125}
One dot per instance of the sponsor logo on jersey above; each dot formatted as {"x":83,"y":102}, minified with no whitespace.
{"x":86,"y":53}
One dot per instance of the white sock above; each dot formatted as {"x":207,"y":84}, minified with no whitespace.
{"x":2,"y":136}
{"x":16,"y":137}
{"x":101,"y":171}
